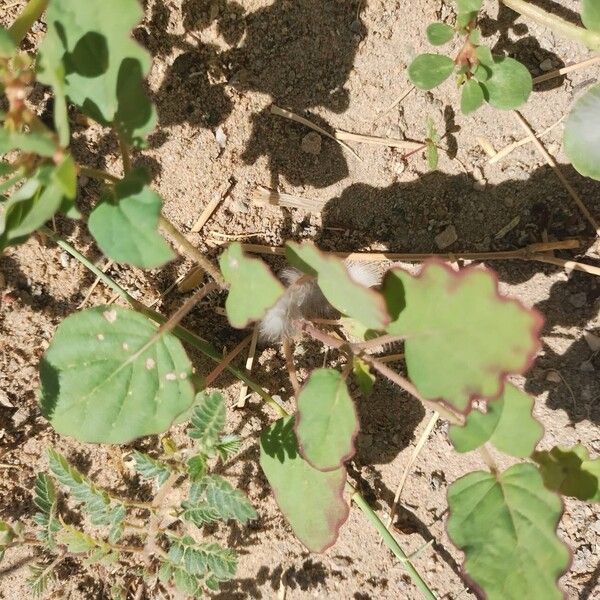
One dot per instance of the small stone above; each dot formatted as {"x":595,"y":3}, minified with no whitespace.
{"x":220,"y":137}
{"x":400,"y":167}
{"x":593,"y":341}
{"x":479,"y":186}
{"x":578,"y":300}
{"x":64,"y":260}
{"x":446,"y":238}
{"x":546,"y":65}
{"x":311,"y":143}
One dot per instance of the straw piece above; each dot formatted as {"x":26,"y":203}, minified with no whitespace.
{"x":212,"y":206}
{"x":263,"y":196}
{"x":249,"y":364}
{"x":565,"y":70}
{"x":375,"y":139}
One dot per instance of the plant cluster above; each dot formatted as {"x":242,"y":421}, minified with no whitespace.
{"x":114,"y":374}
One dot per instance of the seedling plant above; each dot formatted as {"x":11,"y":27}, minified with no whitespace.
{"x":113,"y":374}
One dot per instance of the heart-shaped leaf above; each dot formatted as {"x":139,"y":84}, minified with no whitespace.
{"x":590,"y":14}
{"x":344,"y":293}
{"x":125,"y":224}
{"x":440,"y":310}
{"x":430,"y":70}
{"x":509,"y":85}
{"x":472,"y":97}
{"x":326,"y":421}
{"x":506,"y":526}
{"x":439,"y":34}
{"x":108,"y":378}
{"x":89,"y":44}
{"x":582,"y":134}
{"x":508,"y":424}
{"x":570,"y":472}
{"x":253,"y":289}
{"x":312,"y":501}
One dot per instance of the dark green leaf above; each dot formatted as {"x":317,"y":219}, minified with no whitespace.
{"x":45,"y":500}
{"x":570,"y":472}
{"x":312,"y":501}
{"x":509,"y":85}
{"x":326,"y":421}
{"x":208,"y":420}
{"x":439,"y":34}
{"x":226,"y":500}
{"x":108,"y":378}
{"x":196,"y":467}
{"x":103,"y":67}
{"x":508,"y":424}
{"x":582,"y":134}
{"x":151,"y":468}
{"x":472,"y":97}
{"x":430,"y":70}
{"x":125,"y":224}
{"x":590,"y":14}
{"x":253,"y":289}
{"x":507,"y":528}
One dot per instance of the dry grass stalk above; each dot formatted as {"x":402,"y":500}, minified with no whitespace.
{"x":375,"y":139}
{"x":249,"y":364}
{"x":265,"y":196}
{"x":211,"y":207}
{"x":565,"y":70}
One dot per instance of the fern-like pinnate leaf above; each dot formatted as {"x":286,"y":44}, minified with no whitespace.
{"x":45,"y":499}
{"x":103,"y":510}
{"x":199,"y":514}
{"x":202,"y":559}
{"x":221,"y":496}
{"x":151,"y":468}
{"x":207,"y":420}
{"x":228,"y":446}
{"x":80,"y":542}
{"x":41,"y":577}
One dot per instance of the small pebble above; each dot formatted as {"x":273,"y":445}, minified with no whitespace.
{"x":311,"y":143}
{"x":546,"y":65}
{"x":446,"y":238}
{"x":593,"y":341}
{"x":578,"y":300}
{"x":553,"y":376}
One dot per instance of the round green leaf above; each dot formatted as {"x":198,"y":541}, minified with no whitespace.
{"x":472,"y":97}
{"x":462,"y":337}
{"x":253,"y":289}
{"x":312,"y":501}
{"x":590,"y":14}
{"x":509,"y":85}
{"x":508,"y":424}
{"x":108,"y":378}
{"x":125,"y":224}
{"x":582,"y":134}
{"x":430,"y":70}
{"x":326,"y":421}
{"x":344,"y":293}
{"x":506,"y":526}
{"x":439,"y":34}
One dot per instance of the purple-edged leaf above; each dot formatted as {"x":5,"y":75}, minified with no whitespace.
{"x":506,"y":526}
{"x":326,"y":421}
{"x":312,"y":501}
{"x":462,"y":336}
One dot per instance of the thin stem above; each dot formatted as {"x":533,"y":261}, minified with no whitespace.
{"x":97,"y":174}
{"x":392,"y":544}
{"x":382,"y":340}
{"x":125,"y":155}
{"x":151,"y":547}
{"x":288,"y":352}
{"x":29,"y":15}
{"x":563,"y":28}
{"x":212,"y":376}
{"x":488,"y":459}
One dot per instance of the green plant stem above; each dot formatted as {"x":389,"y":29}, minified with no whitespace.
{"x":392,"y":544}
{"x":29,"y":15}
{"x":97,"y":174}
{"x":125,"y":154}
{"x":559,"y":26}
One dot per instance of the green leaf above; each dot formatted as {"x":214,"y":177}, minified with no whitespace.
{"x":363,"y":376}
{"x":196,"y":467}
{"x":475,"y":36}
{"x":108,"y":378}
{"x":228,"y":446}
{"x":590,"y":14}
{"x":326,"y":421}
{"x":7,"y":44}
{"x":41,"y":577}
{"x":202,"y":559}
{"x":199,"y":514}
{"x":125,"y":224}
{"x":34,"y":143}
{"x":430,"y":70}
{"x":151,"y":468}
{"x":312,"y":501}
{"x":484,"y":55}
{"x":90,"y":45}
{"x":440,"y":307}
{"x":509,"y":85}
{"x":7,"y":534}
{"x":439,"y":34}
{"x":507,"y":528}
{"x":472,"y":97}
{"x":226,"y":500}
{"x":508,"y":424}
{"x":468,"y":6}
{"x":80,"y":542}
{"x":45,"y":499}
{"x":253,"y":289}
{"x":432,"y":155}
{"x":570,"y":472}
{"x":582,"y":134}
{"x":36,"y":201}
{"x":346,"y":295}
{"x":208,"y":420}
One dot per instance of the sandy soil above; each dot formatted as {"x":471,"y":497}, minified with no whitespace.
{"x":342,"y":64}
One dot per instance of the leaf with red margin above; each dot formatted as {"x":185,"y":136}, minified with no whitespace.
{"x":462,"y":336}
{"x":348,"y":296}
{"x":312,"y":501}
{"x":508,"y":424}
{"x":326,"y":421}
{"x":506,"y":526}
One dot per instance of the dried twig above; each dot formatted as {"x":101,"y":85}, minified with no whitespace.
{"x":106,"y":267}
{"x":288,"y":352}
{"x":264,"y":196}
{"x":565,"y":70}
{"x":212,"y":206}
{"x":210,"y":378}
{"x":249,"y":364}
{"x":379,"y":141}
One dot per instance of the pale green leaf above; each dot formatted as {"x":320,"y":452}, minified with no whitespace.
{"x":326,"y":420}
{"x":253,"y":288}
{"x":590,"y":14}
{"x":196,"y":467}
{"x":507,"y":528}
{"x":41,"y":577}
{"x":509,"y":85}
{"x":362,"y":375}
{"x":228,"y":446}
{"x":430,"y":70}
{"x":35,"y":143}
{"x":200,"y":514}
{"x":312,"y":501}
{"x":45,"y":499}
{"x":7,"y":44}
{"x":202,"y":559}
{"x":208,"y":420}
{"x":472,"y":97}
{"x":432,"y":155}
{"x":107,"y":377}
{"x":226,"y":500}
{"x":508,"y":424}
{"x":439,"y":34}
{"x":151,"y":468}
